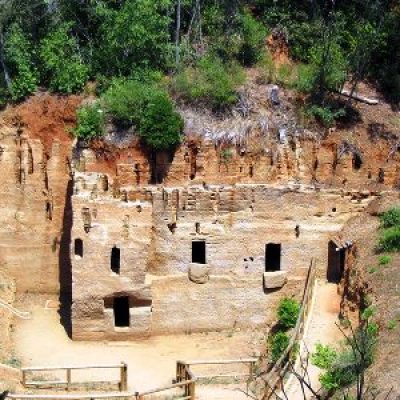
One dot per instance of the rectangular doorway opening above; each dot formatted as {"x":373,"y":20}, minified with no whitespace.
{"x":336,"y":262}
{"x":273,"y":257}
{"x":121,"y":312}
{"x":199,"y":252}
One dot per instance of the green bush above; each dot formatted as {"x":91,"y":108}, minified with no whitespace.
{"x":357,"y":353}
{"x":211,"y":83}
{"x":160,"y":125}
{"x":19,"y":54}
{"x":389,"y":240}
{"x":390,"y":218}
{"x":90,"y":122}
{"x":149,"y":108}
{"x":253,"y":39}
{"x":279,"y":343}
{"x":384,"y":260}
{"x":326,"y":115}
{"x":324,"y":356}
{"x":62,"y":63}
{"x":288,"y":312}
{"x":125,"y":100}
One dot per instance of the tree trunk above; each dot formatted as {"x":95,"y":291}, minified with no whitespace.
{"x":177,"y":33}
{"x":7,"y":78}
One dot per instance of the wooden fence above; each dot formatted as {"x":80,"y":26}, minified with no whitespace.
{"x":272,"y":380}
{"x":29,"y":381}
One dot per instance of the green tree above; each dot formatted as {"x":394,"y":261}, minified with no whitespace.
{"x":63,"y":67}
{"x":19,"y":56}
{"x":253,"y":35}
{"x":149,"y":109}
{"x":134,"y":34}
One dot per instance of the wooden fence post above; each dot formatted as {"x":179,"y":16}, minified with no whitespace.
{"x":23,"y":378}
{"x":123,"y":384}
{"x":68,"y":378}
{"x":192,"y":390}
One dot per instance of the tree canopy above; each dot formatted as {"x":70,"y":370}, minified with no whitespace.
{"x":61,"y":44}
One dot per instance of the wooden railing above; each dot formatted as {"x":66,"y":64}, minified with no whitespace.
{"x":29,"y":381}
{"x":273,"y":379}
{"x":185,"y":365}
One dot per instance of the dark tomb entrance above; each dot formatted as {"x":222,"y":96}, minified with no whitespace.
{"x":121,"y":312}
{"x":273,"y":257}
{"x":199,"y":252}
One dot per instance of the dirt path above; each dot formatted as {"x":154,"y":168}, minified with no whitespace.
{"x":321,"y":329}
{"x":42,"y":341}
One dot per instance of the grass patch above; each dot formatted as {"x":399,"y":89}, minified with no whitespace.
{"x":384,"y":260}
{"x":392,"y":324}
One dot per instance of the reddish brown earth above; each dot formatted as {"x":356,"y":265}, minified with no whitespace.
{"x":47,"y":117}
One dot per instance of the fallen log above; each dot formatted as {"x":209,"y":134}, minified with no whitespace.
{"x":359,"y":97}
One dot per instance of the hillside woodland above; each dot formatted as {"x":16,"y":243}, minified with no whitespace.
{"x":158,"y":70}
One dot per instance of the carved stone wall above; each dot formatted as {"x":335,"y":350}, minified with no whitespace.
{"x":155,"y":228}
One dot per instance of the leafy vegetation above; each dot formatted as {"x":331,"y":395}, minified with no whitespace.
{"x":20,"y":55}
{"x":344,"y":366}
{"x":62,"y":64}
{"x":288,"y":312}
{"x":80,"y":41}
{"x":390,"y":218}
{"x":147,"y":107}
{"x":279,"y":343}
{"x":384,"y":260}
{"x":90,"y":122}
{"x":210,"y":82}
{"x":389,"y":240}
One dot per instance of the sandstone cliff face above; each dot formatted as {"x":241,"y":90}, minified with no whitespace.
{"x":33,"y":190}
{"x":235,"y":197}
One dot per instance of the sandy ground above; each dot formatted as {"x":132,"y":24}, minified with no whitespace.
{"x":321,"y":329}
{"x":42,"y":341}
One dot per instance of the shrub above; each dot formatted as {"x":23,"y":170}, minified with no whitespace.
{"x":160,"y":125}
{"x":125,"y":100}
{"x":210,"y":83}
{"x":61,"y":60}
{"x":392,"y":324}
{"x":357,"y":353}
{"x":19,"y":54}
{"x":389,"y":240}
{"x":90,"y":122}
{"x":384,"y":260}
{"x":266,"y":68}
{"x":326,"y":115}
{"x":324,"y":356}
{"x":149,"y":108}
{"x":253,"y":35}
{"x":288,"y":312}
{"x":390,"y":218}
{"x":279,"y":343}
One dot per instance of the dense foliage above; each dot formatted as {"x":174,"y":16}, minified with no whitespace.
{"x":288,"y":312}
{"x":147,"y":107}
{"x":79,"y":40}
{"x":389,"y":239}
{"x":90,"y":122}
{"x":211,"y":82}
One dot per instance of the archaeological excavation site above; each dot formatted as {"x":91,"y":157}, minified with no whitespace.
{"x":215,"y":219}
